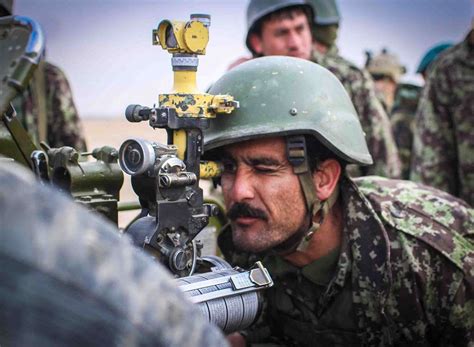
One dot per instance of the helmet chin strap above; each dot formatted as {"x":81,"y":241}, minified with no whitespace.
{"x":298,"y":158}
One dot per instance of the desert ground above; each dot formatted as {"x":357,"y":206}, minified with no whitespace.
{"x":113,"y":132}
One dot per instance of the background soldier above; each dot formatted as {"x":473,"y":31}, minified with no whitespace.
{"x":360,"y":87}
{"x":283,"y":27}
{"x":325,"y":26}
{"x":400,"y":100}
{"x":443,"y":148}
{"x":386,"y":70}
{"x":369,"y":261}
{"x":46,"y":108}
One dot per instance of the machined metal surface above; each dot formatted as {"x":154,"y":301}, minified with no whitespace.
{"x":227,"y":297}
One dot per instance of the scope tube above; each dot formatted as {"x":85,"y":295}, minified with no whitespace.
{"x":227,"y":297}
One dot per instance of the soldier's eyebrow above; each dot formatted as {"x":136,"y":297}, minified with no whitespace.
{"x":301,"y":27}
{"x":255,"y":161}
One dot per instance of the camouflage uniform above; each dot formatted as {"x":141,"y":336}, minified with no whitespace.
{"x":68,"y":278}
{"x":404,"y":274}
{"x":443,"y":152}
{"x":402,"y":118}
{"x":373,"y":118}
{"x":63,"y":124}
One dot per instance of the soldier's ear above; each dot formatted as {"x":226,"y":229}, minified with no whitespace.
{"x":326,"y":177}
{"x":256,"y":43}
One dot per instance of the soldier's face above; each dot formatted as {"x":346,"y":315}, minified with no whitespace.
{"x":386,"y":87}
{"x":289,"y":36}
{"x":262,"y":195}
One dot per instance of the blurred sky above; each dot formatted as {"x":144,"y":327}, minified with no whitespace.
{"x":104,"y":46}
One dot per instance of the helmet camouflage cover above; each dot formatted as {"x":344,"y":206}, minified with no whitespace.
{"x":282,"y":96}
{"x":386,"y":64}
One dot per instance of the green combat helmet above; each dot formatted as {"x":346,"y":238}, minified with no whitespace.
{"x":285,"y":96}
{"x":326,"y":21}
{"x":386,"y":64}
{"x":326,"y":12}
{"x":257,"y":9}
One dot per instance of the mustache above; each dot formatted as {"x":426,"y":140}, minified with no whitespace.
{"x":242,"y":209}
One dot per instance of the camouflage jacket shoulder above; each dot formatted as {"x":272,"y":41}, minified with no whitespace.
{"x":373,"y":118}
{"x":346,"y":71}
{"x":420,"y":240}
{"x":421,"y":211}
{"x":407,"y":259}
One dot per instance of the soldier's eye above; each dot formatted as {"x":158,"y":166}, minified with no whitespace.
{"x":264,"y":169}
{"x":280,"y":33}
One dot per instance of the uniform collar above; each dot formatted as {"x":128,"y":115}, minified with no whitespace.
{"x":318,"y":57}
{"x":320,"y":272}
{"x":333,"y":51}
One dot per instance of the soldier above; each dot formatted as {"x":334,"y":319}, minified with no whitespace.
{"x":367,"y":261}
{"x":325,"y":26}
{"x":443,"y":146}
{"x":284,"y":28}
{"x":402,"y":118}
{"x":386,"y":70}
{"x":46,"y":108}
{"x":400,"y":100}
{"x":359,"y":86}
{"x":429,"y":57}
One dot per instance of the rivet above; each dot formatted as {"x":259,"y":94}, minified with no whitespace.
{"x":293,"y":111}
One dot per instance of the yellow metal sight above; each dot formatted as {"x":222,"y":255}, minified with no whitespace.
{"x":185,"y":111}
{"x":189,"y":37}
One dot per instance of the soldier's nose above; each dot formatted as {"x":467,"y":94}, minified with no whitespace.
{"x":242,"y":188}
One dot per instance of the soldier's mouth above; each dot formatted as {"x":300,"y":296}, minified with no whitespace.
{"x":246,"y":221}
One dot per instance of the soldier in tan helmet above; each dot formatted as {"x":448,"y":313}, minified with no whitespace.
{"x":400,"y":100}
{"x":386,"y":71}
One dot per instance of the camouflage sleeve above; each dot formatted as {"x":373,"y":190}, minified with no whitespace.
{"x":68,"y":278}
{"x":376,"y":126}
{"x":433,"y":139}
{"x":403,"y":124}
{"x":64,"y":125}
{"x":460,"y":330}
